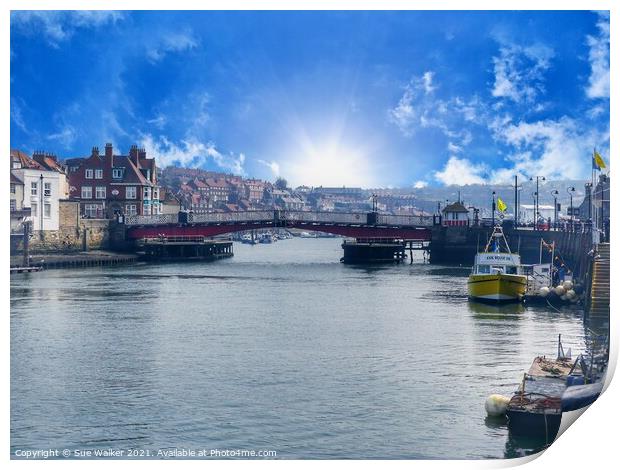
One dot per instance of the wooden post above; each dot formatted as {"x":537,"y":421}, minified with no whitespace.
{"x":26,"y":242}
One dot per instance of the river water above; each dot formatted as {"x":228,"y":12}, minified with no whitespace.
{"x":281,"y":348}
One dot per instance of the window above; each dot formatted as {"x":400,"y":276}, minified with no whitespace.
{"x":100,"y":192}
{"x":130,"y":192}
{"x":12,"y":188}
{"x":47,"y":189}
{"x":98,"y":174}
{"x":89,"y":173}
{"x":13,"y":205}
{"x":131,"y":209}
{"x":147,"y":192}
{"x":146,"y":209}
{"x":33,"y":210}
{"x":484,"y":269}
{"x":155,"y":193}
{"x":87,"y":192}
{"x":93,"y":211}
{"x":117,"y":173}
{"x":47,"y":210}
{"x":33,"y":188}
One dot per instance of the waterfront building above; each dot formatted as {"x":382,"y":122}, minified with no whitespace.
{"x":455,"y":214}
{"x":545,"y":211}
{"x":110,"y":184}
{"x":39,"y":190}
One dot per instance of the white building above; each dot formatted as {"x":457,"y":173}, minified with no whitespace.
{"x":455,"y":214}
{"x":526,"y":212}
{"x":41,"y":193}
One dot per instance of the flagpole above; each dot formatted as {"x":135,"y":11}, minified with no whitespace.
{"x":592,"y":215}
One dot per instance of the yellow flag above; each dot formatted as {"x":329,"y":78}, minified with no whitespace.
{"x":500,"y":205}
{"x":599,"y":160}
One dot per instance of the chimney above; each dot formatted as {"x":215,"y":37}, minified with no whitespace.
{"x":142,"y":153}
{"x":95,"y":152}
{"x":109,"y":153}
{"x":133,"y":155}
{"x":37,"y":156}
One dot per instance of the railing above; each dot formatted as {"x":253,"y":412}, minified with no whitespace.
{"x":248,"y":216}
{"x":324,"y":217}
{"x":384,"y":219}
{"x":151,"y":219}
{"x":285,"y":217}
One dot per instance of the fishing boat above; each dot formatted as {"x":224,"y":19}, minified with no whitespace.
{"x":497,"y":273}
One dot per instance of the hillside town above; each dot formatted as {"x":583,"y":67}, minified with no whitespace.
{"x":58,"y":196}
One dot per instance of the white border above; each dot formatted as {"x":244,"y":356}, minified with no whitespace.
{"x":589,"y":443}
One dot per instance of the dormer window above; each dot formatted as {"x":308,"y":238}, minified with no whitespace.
{"x":117,"y":173}
{"x":89,"y":173}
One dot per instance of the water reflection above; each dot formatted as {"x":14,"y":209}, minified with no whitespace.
{"x":496,"y":311}
{"x":519,"y":446}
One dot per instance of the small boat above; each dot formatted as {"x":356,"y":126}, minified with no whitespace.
{"x":535,"y":410}
{"x":266,"y":238}
{"x":497,"y":273}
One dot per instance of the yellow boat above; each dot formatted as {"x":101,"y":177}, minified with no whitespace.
{"x":497,"y":275}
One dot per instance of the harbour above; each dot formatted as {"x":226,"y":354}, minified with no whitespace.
{"x":388,"y":370}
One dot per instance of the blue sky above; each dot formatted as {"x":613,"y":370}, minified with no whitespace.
{"x":321,"y":98}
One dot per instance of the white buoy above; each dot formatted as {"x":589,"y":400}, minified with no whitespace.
{"x":570,"y":294}
{"x":568,"y":285}
{"x":563,"y":297}
{"x":496,"y":405}
{"x":544,"y":291}
{"x":559,"y":290}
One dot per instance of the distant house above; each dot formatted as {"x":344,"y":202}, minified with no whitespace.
{"x":38,"y":187}
{"x":455,"y":214}
{"x":111,"y":184}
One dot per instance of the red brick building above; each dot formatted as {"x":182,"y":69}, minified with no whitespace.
{"x":109,"y":184}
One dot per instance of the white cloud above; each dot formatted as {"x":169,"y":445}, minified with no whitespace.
{"x":420,"y":184}
{"x":403,"y":115}
{"x":171,"y":42}
{"x":461,"y":171}
{"x":416,"y":106}
{"x":427,"y":81}
{"x":66,"y":136}
{"x":598,"y":83}
{"x":60,"y":26}
{"x":273,"y":166}
{"x":191,"y":153}
{"x":158,"y":121}
{"x":453,"y":148}
{"x":519,"y":72}
{"x":556,"y":149}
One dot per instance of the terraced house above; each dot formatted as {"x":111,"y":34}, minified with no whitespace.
{"x":108,"y":184}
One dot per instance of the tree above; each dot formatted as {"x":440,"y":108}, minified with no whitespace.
{"x":281,"y":184}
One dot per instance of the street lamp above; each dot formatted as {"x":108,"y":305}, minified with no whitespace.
{"x":555,"y":193}
{"x":570,"y":192}
{"x":534,"y":198}
{"x":538,"y":178}
{"x":41,"y":207}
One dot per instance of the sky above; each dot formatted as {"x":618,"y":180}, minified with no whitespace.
{"x":370,"y":99}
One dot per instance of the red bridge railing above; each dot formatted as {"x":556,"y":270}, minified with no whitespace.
{"x":283,"y":217}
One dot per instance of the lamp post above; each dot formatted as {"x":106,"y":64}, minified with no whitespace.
{"x":41,"y":207}
{"x":534,"y":197}
{"x":538,"y":178}
{"x":570,"y":192}
{"x":555,"y":193}
{"x":374,"y":203}
{"x":493,"y":210}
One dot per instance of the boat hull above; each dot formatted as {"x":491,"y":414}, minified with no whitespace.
{"x":541,"y":424}
{"x":497,"y":287}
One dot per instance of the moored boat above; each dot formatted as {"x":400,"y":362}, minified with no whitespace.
{"x":497,"y":274}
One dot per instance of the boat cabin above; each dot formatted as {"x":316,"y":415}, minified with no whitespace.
{"x":497,"y":263}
